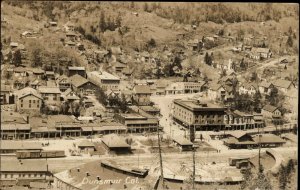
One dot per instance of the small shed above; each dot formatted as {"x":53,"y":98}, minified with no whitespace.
{"x":116,"y":143}
{"x":183,"y":143}
{"x":86,"y":146}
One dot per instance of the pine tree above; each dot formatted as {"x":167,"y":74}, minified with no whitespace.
{"x":290,"y":41}
{"x":102,"y":23}
{"x":17,"y":58}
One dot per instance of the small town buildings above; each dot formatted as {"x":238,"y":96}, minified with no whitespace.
{"x":69,"y":95}
{"x":269,"y":111}
{"x":86,"y":146}
{"x":152,"y":110}
{"x":82,"y":86}
{"x":63,"y":83}
{"x":248,"y":88}
{"x":183,"y":143}
{"x":23,"y":172}
{"x":105,"y":80}
{"x":12,"y":146}
{"x":38,"y":73}
{"x":49,"y":75}
{"x":141,"y":94}
{"x":6,"y":95}
{"x":50,"y":94}
{"x":137,"y":123}
{"x":216,"y":92}
{"x":268,"y":140}
{"x":28,"y":99}
{"x":76,"y":70}
{"x":200,"y":116}
{"x":260,"y":53}
{"x":116,"y":143}
{"x":185,"y":87}
{"x":13,"y":130}
{"x":239,"y":139}
{"x":283,"y":85}
{"x":265,"y":88}
{"x":237,"y":120}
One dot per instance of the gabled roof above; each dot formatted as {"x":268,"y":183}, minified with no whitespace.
{"x":238,"y":134}
{"x":282,"y":83}
{"x":27,"y":91}
{"x":49,"y":90}
{"x":182,"y":141}
{"x":268,"y":138}
{"x":61,"y":77}
{"x":265,"y":84}
{"x":142,"y":89}
{"x":86,"y":143}
{"x":115,"y":141}
{"x":269,"y":108}
{"x":215,"y":86}
{"x":77,"y":80}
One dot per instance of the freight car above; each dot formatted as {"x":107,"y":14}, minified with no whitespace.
{"x":40,"y":154}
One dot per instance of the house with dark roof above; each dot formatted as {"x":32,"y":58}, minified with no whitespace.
{"x":5,"y":93}
{"x":265,"y":87}
{"x":28,"y":99}
{"x":268,"y":140}
{"x":248,"y":88}
{"x":63,"y":83}
{"x":141,"y":94}
{"x":82,"y":86}
{"x":270,"y":111}
{"x":77,"y":70}
{"x":216,"y":91}
{"x":283,"y":85}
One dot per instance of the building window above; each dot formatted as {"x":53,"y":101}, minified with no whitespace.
{"x":21,"y":105}
{"x":37,"y":105}
{"x":29,"y":101}
{"x":22,"y":101}
{"x":11,"y":175}
{"x":34,"y":101}
{"x":41,"y":175}
{"x":5,"y":175}
{"x":29,"y":105}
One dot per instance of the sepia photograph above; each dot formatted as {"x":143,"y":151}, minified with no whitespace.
{"x":149,"y":95}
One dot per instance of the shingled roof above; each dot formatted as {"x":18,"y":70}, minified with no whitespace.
{"x":282,"y":83}
{"x":142,"y":89}
{"x":269,"y":108}
{"x":77,"y":80}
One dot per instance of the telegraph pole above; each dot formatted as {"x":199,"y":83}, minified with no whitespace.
{"x":160,"y":160}
{"x":194,"y":167}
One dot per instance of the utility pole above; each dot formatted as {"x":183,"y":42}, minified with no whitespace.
{"x":160,"y":160}
{"x":194,"y":167}
{"x":259,"y":136}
